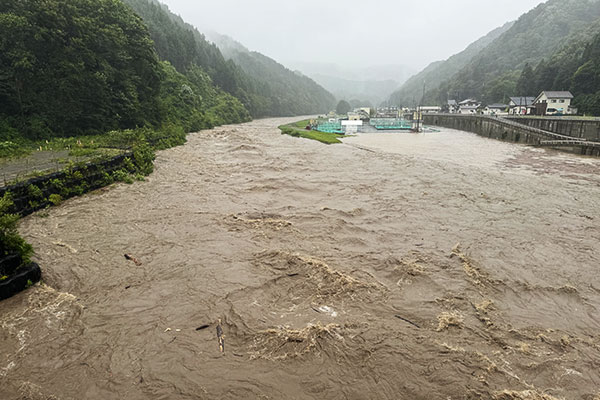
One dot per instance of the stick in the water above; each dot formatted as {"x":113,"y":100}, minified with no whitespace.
{"x":221,"y":337}
{"x":407,"y":320}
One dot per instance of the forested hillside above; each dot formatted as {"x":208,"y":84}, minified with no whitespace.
{"x":286,"y":92}
{"x":437,"y":72}
{"x":76,"y":67}
{"x":265,"y":87}
{"x":575,"y":67}
{"x":492,"y":74}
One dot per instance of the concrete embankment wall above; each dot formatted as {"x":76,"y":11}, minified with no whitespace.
{"x":487,"y":127}
{"x":511,"y":131}
{"x":35,"y":193}
{"x":575,"y":127}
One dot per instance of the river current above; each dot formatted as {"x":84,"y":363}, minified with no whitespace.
{"x":439,"y":265}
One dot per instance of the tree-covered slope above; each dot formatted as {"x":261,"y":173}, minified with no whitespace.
{"x":285,"y":92}
{"x":438,"y":72}
{"x":73,"y":67}
{"x":264,"y":87}
{"x":574,"y":67}
{"x":493,"y":73}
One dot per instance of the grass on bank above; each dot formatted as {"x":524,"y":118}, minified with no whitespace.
{"x":298,"y":129}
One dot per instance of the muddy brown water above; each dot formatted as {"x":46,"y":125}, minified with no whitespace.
{"x":394,"y":266}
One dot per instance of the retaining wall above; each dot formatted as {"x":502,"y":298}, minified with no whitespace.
{"x":510,"y":131}
{"x":34,"y":194}
{"x":574,"y":127}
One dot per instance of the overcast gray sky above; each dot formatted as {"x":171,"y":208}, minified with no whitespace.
{"x":409,"y":32}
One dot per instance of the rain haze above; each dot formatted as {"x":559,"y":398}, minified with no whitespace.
{"x":410,"y":33}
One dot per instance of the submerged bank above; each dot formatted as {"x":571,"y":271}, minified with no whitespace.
{"x":357,"y":271}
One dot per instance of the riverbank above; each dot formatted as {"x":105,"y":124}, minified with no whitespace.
{"x":357,"y":271}
{"x":298,"y":129}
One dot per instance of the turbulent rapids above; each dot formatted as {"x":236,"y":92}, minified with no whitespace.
{"x":393,"y":266}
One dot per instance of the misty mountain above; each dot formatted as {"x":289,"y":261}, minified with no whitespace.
{"x":492,"y":73}
{"x":287,"y":92}
{"x":264,"y":87}
{"x":373,"y":84}
{"x":438,"y":72}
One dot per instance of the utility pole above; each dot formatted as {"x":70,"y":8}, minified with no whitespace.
{"x":419,"y":108}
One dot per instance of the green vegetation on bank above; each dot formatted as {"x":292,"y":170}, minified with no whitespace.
{"x":10,"y":241}
{"x":77,"y":179}
{"x":298,"y":129}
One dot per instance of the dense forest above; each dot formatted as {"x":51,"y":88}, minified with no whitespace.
{"x":575,"y":67}
{"x":265,"y":87}
{"x":77,"y":67}
{"x":500,"y":69}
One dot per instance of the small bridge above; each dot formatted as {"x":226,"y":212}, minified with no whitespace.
{"x":507,"y":130}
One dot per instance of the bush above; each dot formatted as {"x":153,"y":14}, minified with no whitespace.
{"x":55,"y":199}
{"x":10,"y":241}
{"x":144,"y":158}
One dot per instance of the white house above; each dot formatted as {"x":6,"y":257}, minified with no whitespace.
{"x":521,"y":105}
{"x":430,"y":109}
{"x":496,"y":109}
{"x":352,"y":126}
{"x":554,"y":103}
{"x":468,"y":106}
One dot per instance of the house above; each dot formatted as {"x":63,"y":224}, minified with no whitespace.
{"x":387,"y":112}
{"x":554,"y":103}
{"x":469,"y":103}
{"x":430,"y":109}
{"x":496,"y":109}
{"x":354,"y":116}
{"x":521,"y":105}
{"x":468,"y":106}
{"x":352,"y":126}
{"x":452,"y":106}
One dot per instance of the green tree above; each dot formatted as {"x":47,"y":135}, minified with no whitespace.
{"x":526,"y":82}
{"x":343,"y":107}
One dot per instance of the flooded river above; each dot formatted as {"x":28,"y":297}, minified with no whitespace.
{"x":394,"y":266}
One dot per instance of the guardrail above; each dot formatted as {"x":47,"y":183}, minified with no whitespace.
{"x":577,"y":142}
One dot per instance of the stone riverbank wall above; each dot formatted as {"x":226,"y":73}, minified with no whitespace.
{"x":588,"y":129}
{"x":40,"y":192}
{"x":512,"y":131}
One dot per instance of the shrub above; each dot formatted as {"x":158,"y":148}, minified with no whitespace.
{"x":10,"y":241}
{"x":55,"y":199}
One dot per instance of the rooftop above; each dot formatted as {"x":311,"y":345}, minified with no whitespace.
{"x":558,"y":95}
{"x":522,"y":101}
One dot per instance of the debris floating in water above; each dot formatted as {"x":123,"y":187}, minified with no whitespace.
{"x":407,"y":320}
{"x":221,"y":337}
{"x":132,"y":258}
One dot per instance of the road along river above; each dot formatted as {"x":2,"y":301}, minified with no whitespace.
{"x":394,"y":266}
